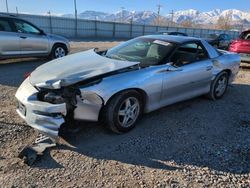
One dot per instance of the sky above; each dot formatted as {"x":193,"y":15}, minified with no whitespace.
{"x":111,"y":6}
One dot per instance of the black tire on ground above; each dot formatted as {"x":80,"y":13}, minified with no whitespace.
{"x":58,"y":50}
{"x":113,"y":112}
{"x":219,"y":86}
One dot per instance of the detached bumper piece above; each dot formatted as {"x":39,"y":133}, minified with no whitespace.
{"x":30,"y":153}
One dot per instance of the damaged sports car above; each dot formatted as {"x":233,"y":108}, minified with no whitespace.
{"x":120,"y":84}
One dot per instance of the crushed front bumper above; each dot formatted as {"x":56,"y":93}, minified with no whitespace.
{"x":45,"y":117}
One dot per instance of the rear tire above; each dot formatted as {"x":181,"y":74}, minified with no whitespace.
{"x":219,"y":86}
{"x":123,"y":111}
{"x":58,"y":51}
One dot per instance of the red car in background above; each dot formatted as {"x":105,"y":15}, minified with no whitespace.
{"x":242,"y":46}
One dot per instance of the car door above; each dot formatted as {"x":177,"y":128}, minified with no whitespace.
{"x":32,"y":40}
{"x":191,"y":75}
{"x":224,"y":40}
{"x":227,"y":40}
{"x":9,"y":39}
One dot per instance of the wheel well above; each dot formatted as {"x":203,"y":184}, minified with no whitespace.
{"x":228,"y":71}
{"x":142,"y":93}
{"x":61,"y":44}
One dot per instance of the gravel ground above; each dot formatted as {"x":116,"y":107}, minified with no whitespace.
{"x":196,"y":143}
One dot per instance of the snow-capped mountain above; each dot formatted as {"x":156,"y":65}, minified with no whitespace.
{"x":211,"y":16}
{"x":148,"y":17}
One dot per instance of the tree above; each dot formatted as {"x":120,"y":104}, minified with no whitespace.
{"x":161,"y":21}
{"x":224,"y":22}
{"x":187,"y":24}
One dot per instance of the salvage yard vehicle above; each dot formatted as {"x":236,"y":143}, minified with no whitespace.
{"x":242,"y":46}
{"x":120,"y":84}
{"x":19,"y":38}
{"x":221,"y":41}
{"x":176,"y":33}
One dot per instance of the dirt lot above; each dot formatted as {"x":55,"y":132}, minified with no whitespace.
{"x":196,"y":143}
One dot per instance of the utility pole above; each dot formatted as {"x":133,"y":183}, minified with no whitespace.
{"x":50,"y":22}
{"x":158,"y":14}
{"x":16,"y":10}
{"x":75,"y":19}
{"x":7,"y":7}
{"x":172,"y":18}
{"x":122,"y":9}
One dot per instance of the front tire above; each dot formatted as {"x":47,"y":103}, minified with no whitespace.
{"x":219,"y":86}
{"x":123,"y":111}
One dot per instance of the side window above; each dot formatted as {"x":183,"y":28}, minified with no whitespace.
{"x":227,"y":37}
{"x":5,"y":26}
{"x":188,"y":53}
{"x":24,"y":27}
{"x":222,"y":37}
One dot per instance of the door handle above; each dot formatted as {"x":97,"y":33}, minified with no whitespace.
{"x":208,"y":68}
{"x":23,"y":37}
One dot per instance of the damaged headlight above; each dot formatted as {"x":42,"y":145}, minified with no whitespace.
{"x":53,"y":98}
{"x":50,"y":97}
{"x":64,"y":95}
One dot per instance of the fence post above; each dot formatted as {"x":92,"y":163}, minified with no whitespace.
{"x":131,"y":29}
{"x":50,"y":24}
{"x":95,"y":28}
{"x":201,"y":33}
{"x":114,"y":28}
{"x":76,"y":26}
{"x":143,"y":29}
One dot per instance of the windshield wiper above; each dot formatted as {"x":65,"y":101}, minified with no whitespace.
{"x":114,"y":56}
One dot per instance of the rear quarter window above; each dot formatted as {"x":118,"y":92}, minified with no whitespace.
{"x":5,"y":26}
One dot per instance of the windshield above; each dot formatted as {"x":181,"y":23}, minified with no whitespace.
{"x":144,"y":50}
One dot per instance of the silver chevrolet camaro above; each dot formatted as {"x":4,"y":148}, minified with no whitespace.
{"x":120,"y":84}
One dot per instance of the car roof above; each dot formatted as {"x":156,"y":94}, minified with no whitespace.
{"x":246,"y":31}
{"x":3,"y":15}
{"x":173,"y":39}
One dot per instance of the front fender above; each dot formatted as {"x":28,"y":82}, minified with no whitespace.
{"x":149,"y":80}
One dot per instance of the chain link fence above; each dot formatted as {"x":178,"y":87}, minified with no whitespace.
{"x":80,"y":28}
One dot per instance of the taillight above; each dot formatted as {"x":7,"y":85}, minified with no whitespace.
{"x":27,"y":74}
{"x":233,"y":42}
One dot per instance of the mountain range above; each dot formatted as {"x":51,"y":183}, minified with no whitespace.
{"x":147,"y":17}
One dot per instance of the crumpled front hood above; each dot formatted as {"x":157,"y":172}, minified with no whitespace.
{"x":75,"y":68}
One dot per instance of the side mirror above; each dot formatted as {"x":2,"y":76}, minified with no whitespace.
{"x":42,"y":32}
